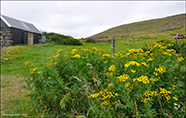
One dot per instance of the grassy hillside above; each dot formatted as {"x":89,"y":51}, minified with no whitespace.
{"x":144,"y":28}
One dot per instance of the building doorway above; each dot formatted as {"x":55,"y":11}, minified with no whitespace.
{"x":30,"y":39}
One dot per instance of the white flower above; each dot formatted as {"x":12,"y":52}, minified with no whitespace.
{"x":182,"y":109}
{"x":176,"y":108}
{"x":175,"y":104}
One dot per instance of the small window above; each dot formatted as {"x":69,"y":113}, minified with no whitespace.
{"x":24,"y":25}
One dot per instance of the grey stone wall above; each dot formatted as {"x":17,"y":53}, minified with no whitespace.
{"x":6,"y":37}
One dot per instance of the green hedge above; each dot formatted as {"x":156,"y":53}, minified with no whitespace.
{"x":61,"y":39}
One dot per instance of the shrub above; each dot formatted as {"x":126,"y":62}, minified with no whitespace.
{"x":72,"y":41}
{"x":61,"y":39}
{"x":91,"y":40}
{"x":145,"y":82}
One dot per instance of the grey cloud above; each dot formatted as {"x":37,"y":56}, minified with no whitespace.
{"x":86,"y":18}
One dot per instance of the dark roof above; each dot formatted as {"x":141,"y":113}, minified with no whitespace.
{"x":11,"y":22}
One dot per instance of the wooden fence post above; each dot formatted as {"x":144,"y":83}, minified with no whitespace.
{"x":133,"y":42}
{"x":113,"y":46}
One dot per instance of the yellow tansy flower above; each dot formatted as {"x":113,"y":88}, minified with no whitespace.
{"x":180,"y":59}
{"x":133,"y":71}
{"x":112,"y":68}
{"x":175,"y":98}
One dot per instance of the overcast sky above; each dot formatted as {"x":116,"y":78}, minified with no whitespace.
{"x":85,"y":18}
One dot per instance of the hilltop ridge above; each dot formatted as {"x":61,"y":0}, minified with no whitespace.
{"x":170,"y":23}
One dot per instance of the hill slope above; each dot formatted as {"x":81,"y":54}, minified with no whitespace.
{"x":170,"y":23}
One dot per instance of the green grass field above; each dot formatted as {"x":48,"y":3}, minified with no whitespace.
{"x":17,"y":55}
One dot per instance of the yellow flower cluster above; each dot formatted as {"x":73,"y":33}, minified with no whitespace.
{"x":116,"y":102}
{"x":59,"y":50}
{"x":33,"y":71}
{"x":172,"y":87}
{"x":106,"y":102}
{"x":156,"y":46}
{"x":134,"y":53}
{"x":171,"y":50}
{"x":156,"y":74}
{"x":143,"y":79}
{"x":109,"y":84}
{"x":112,"y":68}
{"x":135,"y":50}
{"x":161,"y":69}
{"x":129,"y":88}
{"x":74,"y":51}
{"x":175,"y":98}
{"x":127,"y":84}
{"x":40,"y":101}
{"x":180,"y":59}
{"x":166,"y":53}
{"x":153,"y":80}
{"x":150,"y":59}
{"x":48,"y":57}
{"x":105,"y":94}
{"x":148,"y":94}
{"x":56,"y":55}
{"x":39,"y":72}
{"x":163,"y":48}
{"x":85,"y":50}
{"x":170,"y":44}
{"x":133,"y":71}
{"x":105,"y":55}
{"x":45,"y":107}
{"x":94,"y":49}
{"x":123,"y":78}
{"x":144,"y":64}
{"x":119,"y":55}
{"x":145,"y":100}
{"x":164,"y":92}
{"x":109,"y":74}
{"x":95,"y":95}
{"x":76,"y":56}
{"x":132,"y":63}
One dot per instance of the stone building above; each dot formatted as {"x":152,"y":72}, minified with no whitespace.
{"x":15,"y":31}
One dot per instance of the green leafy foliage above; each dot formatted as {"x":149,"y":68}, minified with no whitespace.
{"x":61,"y":39}
{"x":91,"y":40}
{"x":145,"y":82}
